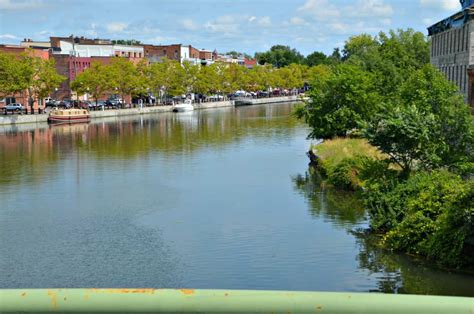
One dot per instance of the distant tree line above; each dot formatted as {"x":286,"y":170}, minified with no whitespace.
{"x":171,"y":78}
{"x":281,"y":56}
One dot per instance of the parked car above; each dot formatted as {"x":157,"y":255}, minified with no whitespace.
{"x":215,"y":97}
{"x":262,"y":94}
{"x":114,"y":103}
{"x":66,"y":103}
{"x":85,"y":104}
{"x":14,"y":107}
{"x":100,"y":105}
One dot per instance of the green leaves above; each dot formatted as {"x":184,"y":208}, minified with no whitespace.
{"x":339,"y":101}
{"x":27,"y":72}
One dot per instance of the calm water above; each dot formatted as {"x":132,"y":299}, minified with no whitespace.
{"x":209,"y":199}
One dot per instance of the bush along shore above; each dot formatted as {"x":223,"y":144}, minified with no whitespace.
{"x":394,"y":129}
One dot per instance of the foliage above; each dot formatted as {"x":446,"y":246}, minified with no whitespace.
{"x":389,"y":56}
{"x":316,"y":58}
{"x":340,"y":102}
{"x":279,"y":56}
{"x":46,"y":79}
{"x":342,"y":160}
{"x":27,"y":72}
{"x":129,"y":42}
{"x":124,"y":77}
{"x":13,"y":75}
{"x":429,"y":126}
{"x":94,"y":81}
{"x":168,"y":76}
{"x":430,"y":214}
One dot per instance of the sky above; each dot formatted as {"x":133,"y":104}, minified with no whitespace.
{"x":243,"y":25}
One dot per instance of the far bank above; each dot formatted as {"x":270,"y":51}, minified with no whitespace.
{"x":43,"y":118}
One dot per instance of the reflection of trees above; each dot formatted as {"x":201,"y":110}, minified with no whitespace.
{"x":26,"y":156}
{"x":394,"y":273}
{"x":343,"y":208}
{"x":402,"y":274}
{"x":186,"y":133}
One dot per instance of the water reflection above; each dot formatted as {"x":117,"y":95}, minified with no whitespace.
{"x":343,"y":209}
{"x":200,"y":200}
{"x":28,"y":152}
{"x":392,"y":273}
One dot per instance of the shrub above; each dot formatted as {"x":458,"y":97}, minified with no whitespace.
{"x":430,"y":214}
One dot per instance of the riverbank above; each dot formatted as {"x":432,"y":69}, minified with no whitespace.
{"x":424,"y":213}
{"x":43,"y":118}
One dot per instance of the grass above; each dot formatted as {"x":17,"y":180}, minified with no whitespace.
{"x":339,"y":162}
{"x":334,"y":151}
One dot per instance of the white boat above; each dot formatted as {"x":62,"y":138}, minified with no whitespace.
{"x":186,"y":106}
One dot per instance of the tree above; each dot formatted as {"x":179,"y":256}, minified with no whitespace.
{"x":234,"y":77}
{"x":190,"y":75}
{"x":315,"y":58}
{"x":279,"y":56}
{"x":168,"y":77}
{"x":292,"y":76}
{"x":340,"y":101}
{"x":14,"y":75}
{"x":46,"y":78}
{"x":94,"y":80}
{"x":429,"y":126}
{"x":125,"y":79}
{"x":207,"y":80}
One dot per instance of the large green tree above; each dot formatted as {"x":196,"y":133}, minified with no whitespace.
{"x":427,"y":126}
{"x":316,"y":58}
{"x":94,"y":80}
{"x":340,"y":101}
{"x":279,"y":56}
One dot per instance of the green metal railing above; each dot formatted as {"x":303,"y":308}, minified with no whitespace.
{"x":221,"y":301}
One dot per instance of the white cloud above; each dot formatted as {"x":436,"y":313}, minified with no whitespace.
{"x":8,"y":36}
{"x":297,"y":21}
{"x":320,"y":9}
{"x":370,"y":8}
{"x":265,"y":21}
{"x":116,"y":27}
{"x":160,"y":39}
{"x":447,"y":5}
{"x":20,"y":4}
{"x":428,"y":21}
{"x":251,"y":19}
{"x":225,"y":24}
{"x":189,"y":25}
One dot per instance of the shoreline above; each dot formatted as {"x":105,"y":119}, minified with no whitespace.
{"x":15,"y":119}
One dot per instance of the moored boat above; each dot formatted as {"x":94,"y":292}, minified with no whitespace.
{"x":68,"y":116}
{"x":186,"y":106}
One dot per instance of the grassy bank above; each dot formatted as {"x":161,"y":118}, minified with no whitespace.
{"x":429,"y":214}
{"x":341,"y":160}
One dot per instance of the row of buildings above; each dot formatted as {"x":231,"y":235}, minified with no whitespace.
{"x":73,"y":55}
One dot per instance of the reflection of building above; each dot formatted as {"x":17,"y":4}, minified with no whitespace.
{"x":452,"y":48}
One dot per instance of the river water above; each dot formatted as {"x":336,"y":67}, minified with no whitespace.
{"x":216,"y":199}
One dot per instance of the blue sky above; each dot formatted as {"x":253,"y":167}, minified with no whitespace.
{"x":242,"y":25}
